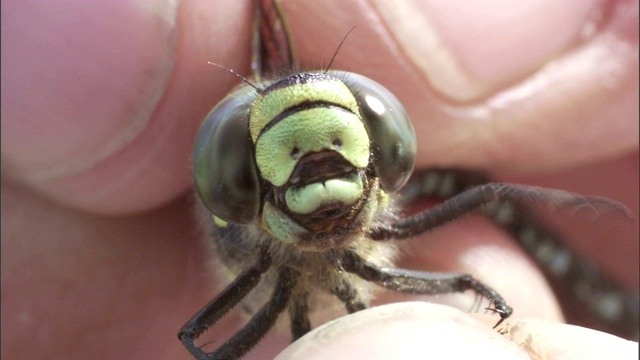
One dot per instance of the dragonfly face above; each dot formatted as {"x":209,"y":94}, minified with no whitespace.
{"x":303,"y":175}
{"x":302,"y":155}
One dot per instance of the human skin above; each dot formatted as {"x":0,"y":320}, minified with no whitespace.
{"x":101,"y":255}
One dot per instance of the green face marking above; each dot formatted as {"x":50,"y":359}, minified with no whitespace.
{"x":291,"y":121}
{"x":280,"y":225}
{"x":280,"y":147}
{"x":270,"y":104}
{"x":308,"y":198}
{"x":219,"y":222}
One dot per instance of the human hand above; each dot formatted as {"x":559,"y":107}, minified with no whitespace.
{"x":100,"y":255}
{"x":417,"y":330}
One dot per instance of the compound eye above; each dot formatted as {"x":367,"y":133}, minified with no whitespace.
{"x":224,"y":166}
{"x":393,"y":141}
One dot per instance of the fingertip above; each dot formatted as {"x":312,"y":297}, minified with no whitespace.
{"x":80,"y":91}
{"x":549,"y":340}
{"x":526,"y":103}
{"x":403,"y":331}
{"x":476,"y":247}
{"x":107,"y":122}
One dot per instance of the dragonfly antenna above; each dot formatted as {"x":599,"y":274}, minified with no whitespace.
{"x":338,"y":49}
{"x":238,"y":75}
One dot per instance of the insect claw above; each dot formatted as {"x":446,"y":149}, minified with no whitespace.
{"x":504,"y":310}
{"x":499,"y":322}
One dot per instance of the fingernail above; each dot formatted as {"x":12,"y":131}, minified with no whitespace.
{"x":468,"y":49}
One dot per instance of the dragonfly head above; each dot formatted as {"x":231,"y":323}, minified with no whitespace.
{"x":303,"y":154}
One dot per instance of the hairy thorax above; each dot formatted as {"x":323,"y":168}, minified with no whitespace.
{"x":237,"y":247}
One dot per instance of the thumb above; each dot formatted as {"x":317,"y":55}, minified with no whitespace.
{"x":102,"y":102}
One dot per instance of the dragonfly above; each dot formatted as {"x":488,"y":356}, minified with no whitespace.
{"x":304,"y":177}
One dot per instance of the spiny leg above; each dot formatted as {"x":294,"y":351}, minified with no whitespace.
{"x":262,"y":321}
{"x":299,"y":315}
{"x":616,"y":307}
{"x":221,"y":304}
{"x":609,"y":302}
{"x":299,"y":310}
{"x":349,"y":296}
{"x":245,"y":339}
{"x":471,"y":199}
{"x":423,"y":283}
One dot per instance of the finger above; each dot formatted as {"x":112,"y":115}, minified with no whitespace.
{"x":547,"y":340}
{"x":102,"y":102}
{"x":473,"y":246}
{"x":510,"y":90}
{"x":610,"y":241}
{"x":404,"y":331}
{"x":78,"y":286}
